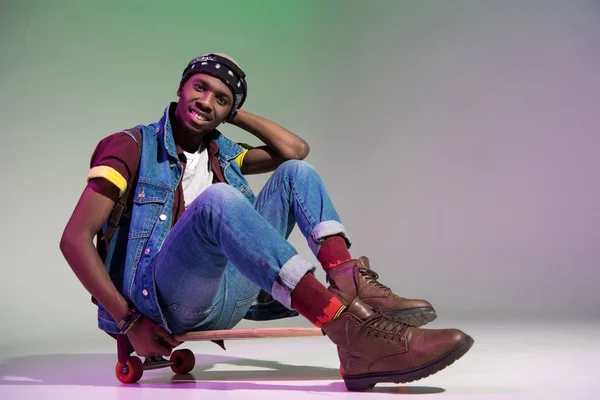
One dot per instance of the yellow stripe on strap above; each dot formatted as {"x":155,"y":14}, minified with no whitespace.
{"x":239,"y":160}
{"x":111,"y":175}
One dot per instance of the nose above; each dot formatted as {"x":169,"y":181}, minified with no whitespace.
{"x":205,"y":102}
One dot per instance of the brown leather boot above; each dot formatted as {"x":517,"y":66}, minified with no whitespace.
{"x":355,"y":278}
{"x":374,"y":348}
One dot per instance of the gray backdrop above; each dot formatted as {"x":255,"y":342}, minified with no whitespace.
{"x":459,"y":139}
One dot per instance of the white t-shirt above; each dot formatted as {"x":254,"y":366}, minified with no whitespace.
{"x":197,"y":175}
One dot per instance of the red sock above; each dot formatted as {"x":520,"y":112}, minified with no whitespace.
{"x":314,"y":302}
{"x":333,"y":252}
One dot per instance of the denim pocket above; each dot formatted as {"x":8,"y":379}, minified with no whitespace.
{"x":150,"y":192}
{"x":149,"y":201}
{"x":240,"y":310}
{"x":184,"y":319}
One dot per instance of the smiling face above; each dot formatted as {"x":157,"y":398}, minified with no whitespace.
{"x":204,"y":103}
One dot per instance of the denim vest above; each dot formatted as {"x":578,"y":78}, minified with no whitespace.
{"x":142,"y":231}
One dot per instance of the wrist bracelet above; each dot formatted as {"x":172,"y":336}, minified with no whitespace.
{"x":128,"y":321}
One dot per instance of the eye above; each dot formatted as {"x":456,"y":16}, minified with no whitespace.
{"x":199,"y":87}
{"x":222,"y":100}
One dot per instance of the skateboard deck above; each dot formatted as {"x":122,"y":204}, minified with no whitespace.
{"x":129,"y":369}
{"x":251,"y":333}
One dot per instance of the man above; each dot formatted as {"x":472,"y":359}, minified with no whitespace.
{"x":200,"y":251}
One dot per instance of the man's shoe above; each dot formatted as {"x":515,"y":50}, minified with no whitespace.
{"x":355,"y":278}
{"x":374,"y":348}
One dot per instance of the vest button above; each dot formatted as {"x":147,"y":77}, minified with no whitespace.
{"x":145,"y":292}
{"x":162,"y":217}
{"x":147,"y":251}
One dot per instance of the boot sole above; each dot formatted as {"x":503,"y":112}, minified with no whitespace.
{"x":363,"y":382}
{"x":414,"y":316}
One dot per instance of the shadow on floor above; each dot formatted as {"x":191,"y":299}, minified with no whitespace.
{"x":98,"y":370}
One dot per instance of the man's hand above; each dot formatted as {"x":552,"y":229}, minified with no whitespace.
{"x":280,"y":144}
{"x":149,"y":339}
{"x":230,"y":119}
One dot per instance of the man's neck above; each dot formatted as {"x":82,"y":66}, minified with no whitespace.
{"x":187,"y":141}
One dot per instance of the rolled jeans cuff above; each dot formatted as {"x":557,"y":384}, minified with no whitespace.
{"x":323,"y":230}
{"x":289,"y":276}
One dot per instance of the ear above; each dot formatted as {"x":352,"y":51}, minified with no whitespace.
{"x":179,"y":91}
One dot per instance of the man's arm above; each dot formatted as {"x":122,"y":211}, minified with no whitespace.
{"x":77,"y":246}
{"x":78,"y":249}
{"x":281,"y":144}
{"x":112,"y":164}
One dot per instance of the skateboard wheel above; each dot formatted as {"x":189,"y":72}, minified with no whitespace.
{"x":130,"y":372}
{"x":184,"y":361}
{"x":341,"y":371}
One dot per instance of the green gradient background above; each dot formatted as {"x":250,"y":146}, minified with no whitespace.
{"x":459,"y":139}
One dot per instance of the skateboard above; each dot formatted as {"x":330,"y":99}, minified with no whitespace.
{"x":129,"y":369}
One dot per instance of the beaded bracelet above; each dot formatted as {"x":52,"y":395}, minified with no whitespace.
{"x":128,"y":321}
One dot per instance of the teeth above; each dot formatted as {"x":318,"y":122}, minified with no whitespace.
{"x":198,"y":116}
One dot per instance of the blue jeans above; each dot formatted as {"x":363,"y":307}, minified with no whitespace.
{"x":224,"y":249}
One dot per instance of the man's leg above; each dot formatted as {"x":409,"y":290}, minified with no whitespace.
{"x":199,"y":289}
{"x":295,"y":193}
{"x":372,"y":348}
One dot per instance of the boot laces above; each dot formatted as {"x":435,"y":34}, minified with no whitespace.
{"x":371,"y":278}
{"x":380,"y":325}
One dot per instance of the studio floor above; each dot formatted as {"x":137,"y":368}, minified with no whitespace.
{"x":510,"y":360}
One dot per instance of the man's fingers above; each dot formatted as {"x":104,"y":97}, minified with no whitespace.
{"x":171,"y":340}
{"x":168,"y":339}
{"x":157,"y":348}
{"x":154,"y":340}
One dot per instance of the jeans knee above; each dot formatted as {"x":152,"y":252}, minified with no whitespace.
{"x":295,"y":167}
{"x":220,"y":194}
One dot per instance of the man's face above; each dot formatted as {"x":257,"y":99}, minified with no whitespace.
{"x":204,"y":102}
